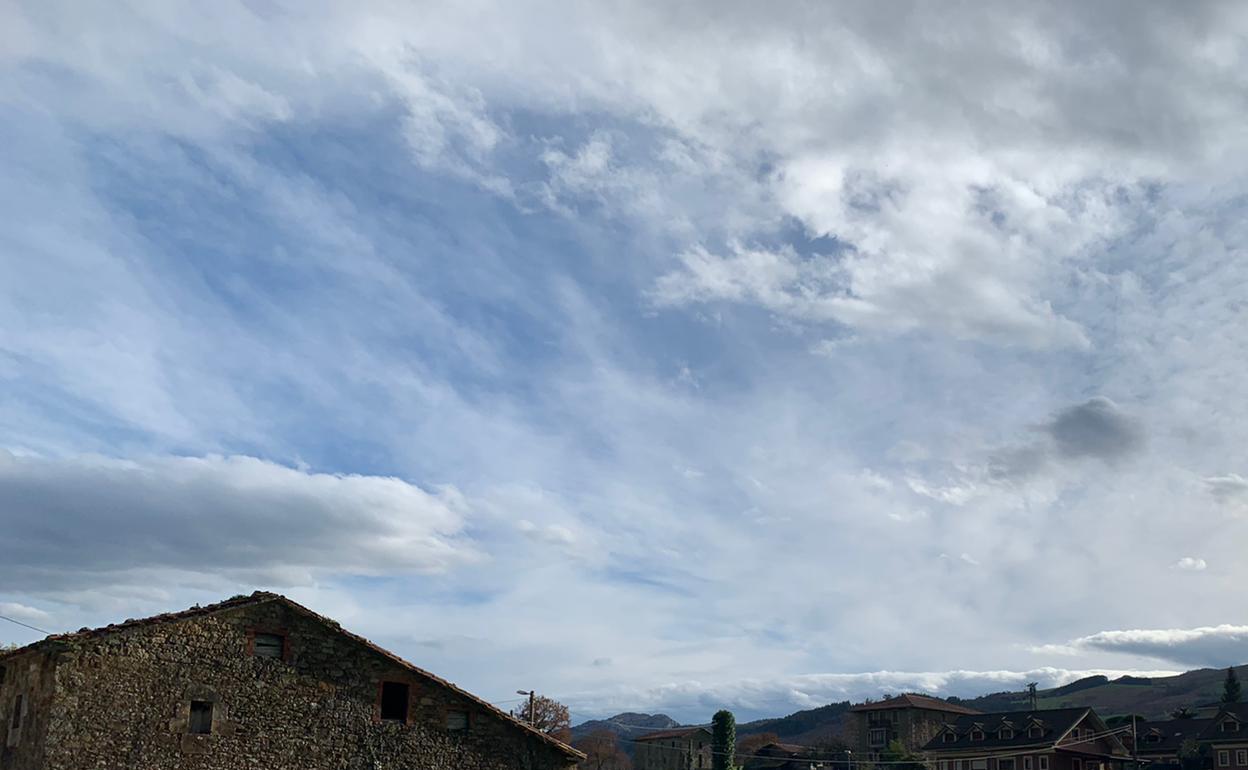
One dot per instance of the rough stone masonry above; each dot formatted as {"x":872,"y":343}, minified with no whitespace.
{"x":253,"y":682}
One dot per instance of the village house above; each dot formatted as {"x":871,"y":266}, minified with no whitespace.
{"x":782,"y":756}
{"x":1047,"y":739}
{"x":910,"y":719}
{"x":682,"y":748}
{"x":254,"y":681}
{"x":1160,"y":742}
{"x":1226,"y":735}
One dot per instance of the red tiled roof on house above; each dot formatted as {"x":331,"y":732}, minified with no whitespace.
{"x":909,"y":701}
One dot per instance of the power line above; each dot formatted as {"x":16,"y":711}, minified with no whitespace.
{"x":841,"y":759}
{"x":25,"y":625}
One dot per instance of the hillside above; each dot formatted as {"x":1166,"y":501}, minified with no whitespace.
{"x":1153,"y":698}
{"x":812,"y":727}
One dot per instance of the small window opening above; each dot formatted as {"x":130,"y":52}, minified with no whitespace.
{"x":269,"y":646}
{"x":977,"y":735}
{"x":457,"y":721}
{"x":1152,"y":738}
{"x":17,"y":713}
{"x":1005,"y":734}
{"x":950,"y":737}
{"x":2,"y":671}
{"x":201,"y":718}
{"x":1035,"y":731}
{"x":394,"y":699}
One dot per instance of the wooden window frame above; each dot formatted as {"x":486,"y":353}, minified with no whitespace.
{"x":468,"y":719}
{"x":190,"y":717}
{"x":1224,"y":758}
{"x":411,"y":694}
{"x":1042,"y":762}
{"x":251,"y":640}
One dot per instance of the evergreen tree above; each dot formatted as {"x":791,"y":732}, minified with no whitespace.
{"x":1230,"y":688}
{"x":723,"y":740}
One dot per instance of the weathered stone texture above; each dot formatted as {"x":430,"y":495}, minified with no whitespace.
{"x":122,"y":700}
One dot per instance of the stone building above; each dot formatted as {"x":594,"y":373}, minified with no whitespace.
{"x":910,"y":719}
{"x":683,"y":748}
{"x":252,"y":682}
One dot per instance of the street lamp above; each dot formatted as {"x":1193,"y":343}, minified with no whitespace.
{"x":530,"y":693}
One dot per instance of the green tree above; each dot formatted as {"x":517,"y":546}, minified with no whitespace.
{"x":1230,"y":687}
{"x":897,"y":757}
{"x":723,"y":740}
{"x":1192,"y":755}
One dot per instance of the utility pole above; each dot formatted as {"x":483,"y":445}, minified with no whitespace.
{"x":1031,"y":694}
{"x":532,"y":706}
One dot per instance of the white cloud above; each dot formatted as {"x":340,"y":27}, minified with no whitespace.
{"x":240,"y":517}
{"x":1203,"y":646}
{"x":1191,"y":564}
{"x":24,"y":613}
{"x":1227,"y":488}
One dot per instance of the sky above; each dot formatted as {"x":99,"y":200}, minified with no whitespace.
{"x":654,"y":356}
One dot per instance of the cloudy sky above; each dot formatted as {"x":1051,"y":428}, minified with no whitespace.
{"x":656,"y":356}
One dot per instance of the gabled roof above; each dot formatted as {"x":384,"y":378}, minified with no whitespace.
{"x":1171,"y":733}
{"x":261,"y":597}
{"x":675,"y":732}
{"x":1237,"y":712}
{"x":1054,"y":722}
{"x":909,"y":701}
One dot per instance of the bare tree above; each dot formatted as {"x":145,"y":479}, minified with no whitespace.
{"x":602,"y":752}
{"x":548,"y":715}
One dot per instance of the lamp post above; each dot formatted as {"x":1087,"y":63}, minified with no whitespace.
{"x":532,"y":717}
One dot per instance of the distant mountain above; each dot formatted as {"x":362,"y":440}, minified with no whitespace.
{"x":627,"y":725}
{"x":1153,"y":698}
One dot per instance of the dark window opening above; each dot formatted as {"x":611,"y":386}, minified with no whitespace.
{"x":17,"y":713}
{"x":2,"y":671}
{"x":394,"y":698}
{"x":457,"y":721}
{"x":1034,"y":732}
{"x":1153,"y":738}
{"x":269,"y":646}
{"x":201,"y":718}
{"x":950,"y":737}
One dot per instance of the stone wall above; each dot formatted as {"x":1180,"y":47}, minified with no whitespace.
{"x":22,"y":728}
{"x":123,"y":700}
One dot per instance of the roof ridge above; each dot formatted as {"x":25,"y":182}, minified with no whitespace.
{"x":259,"y":597}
